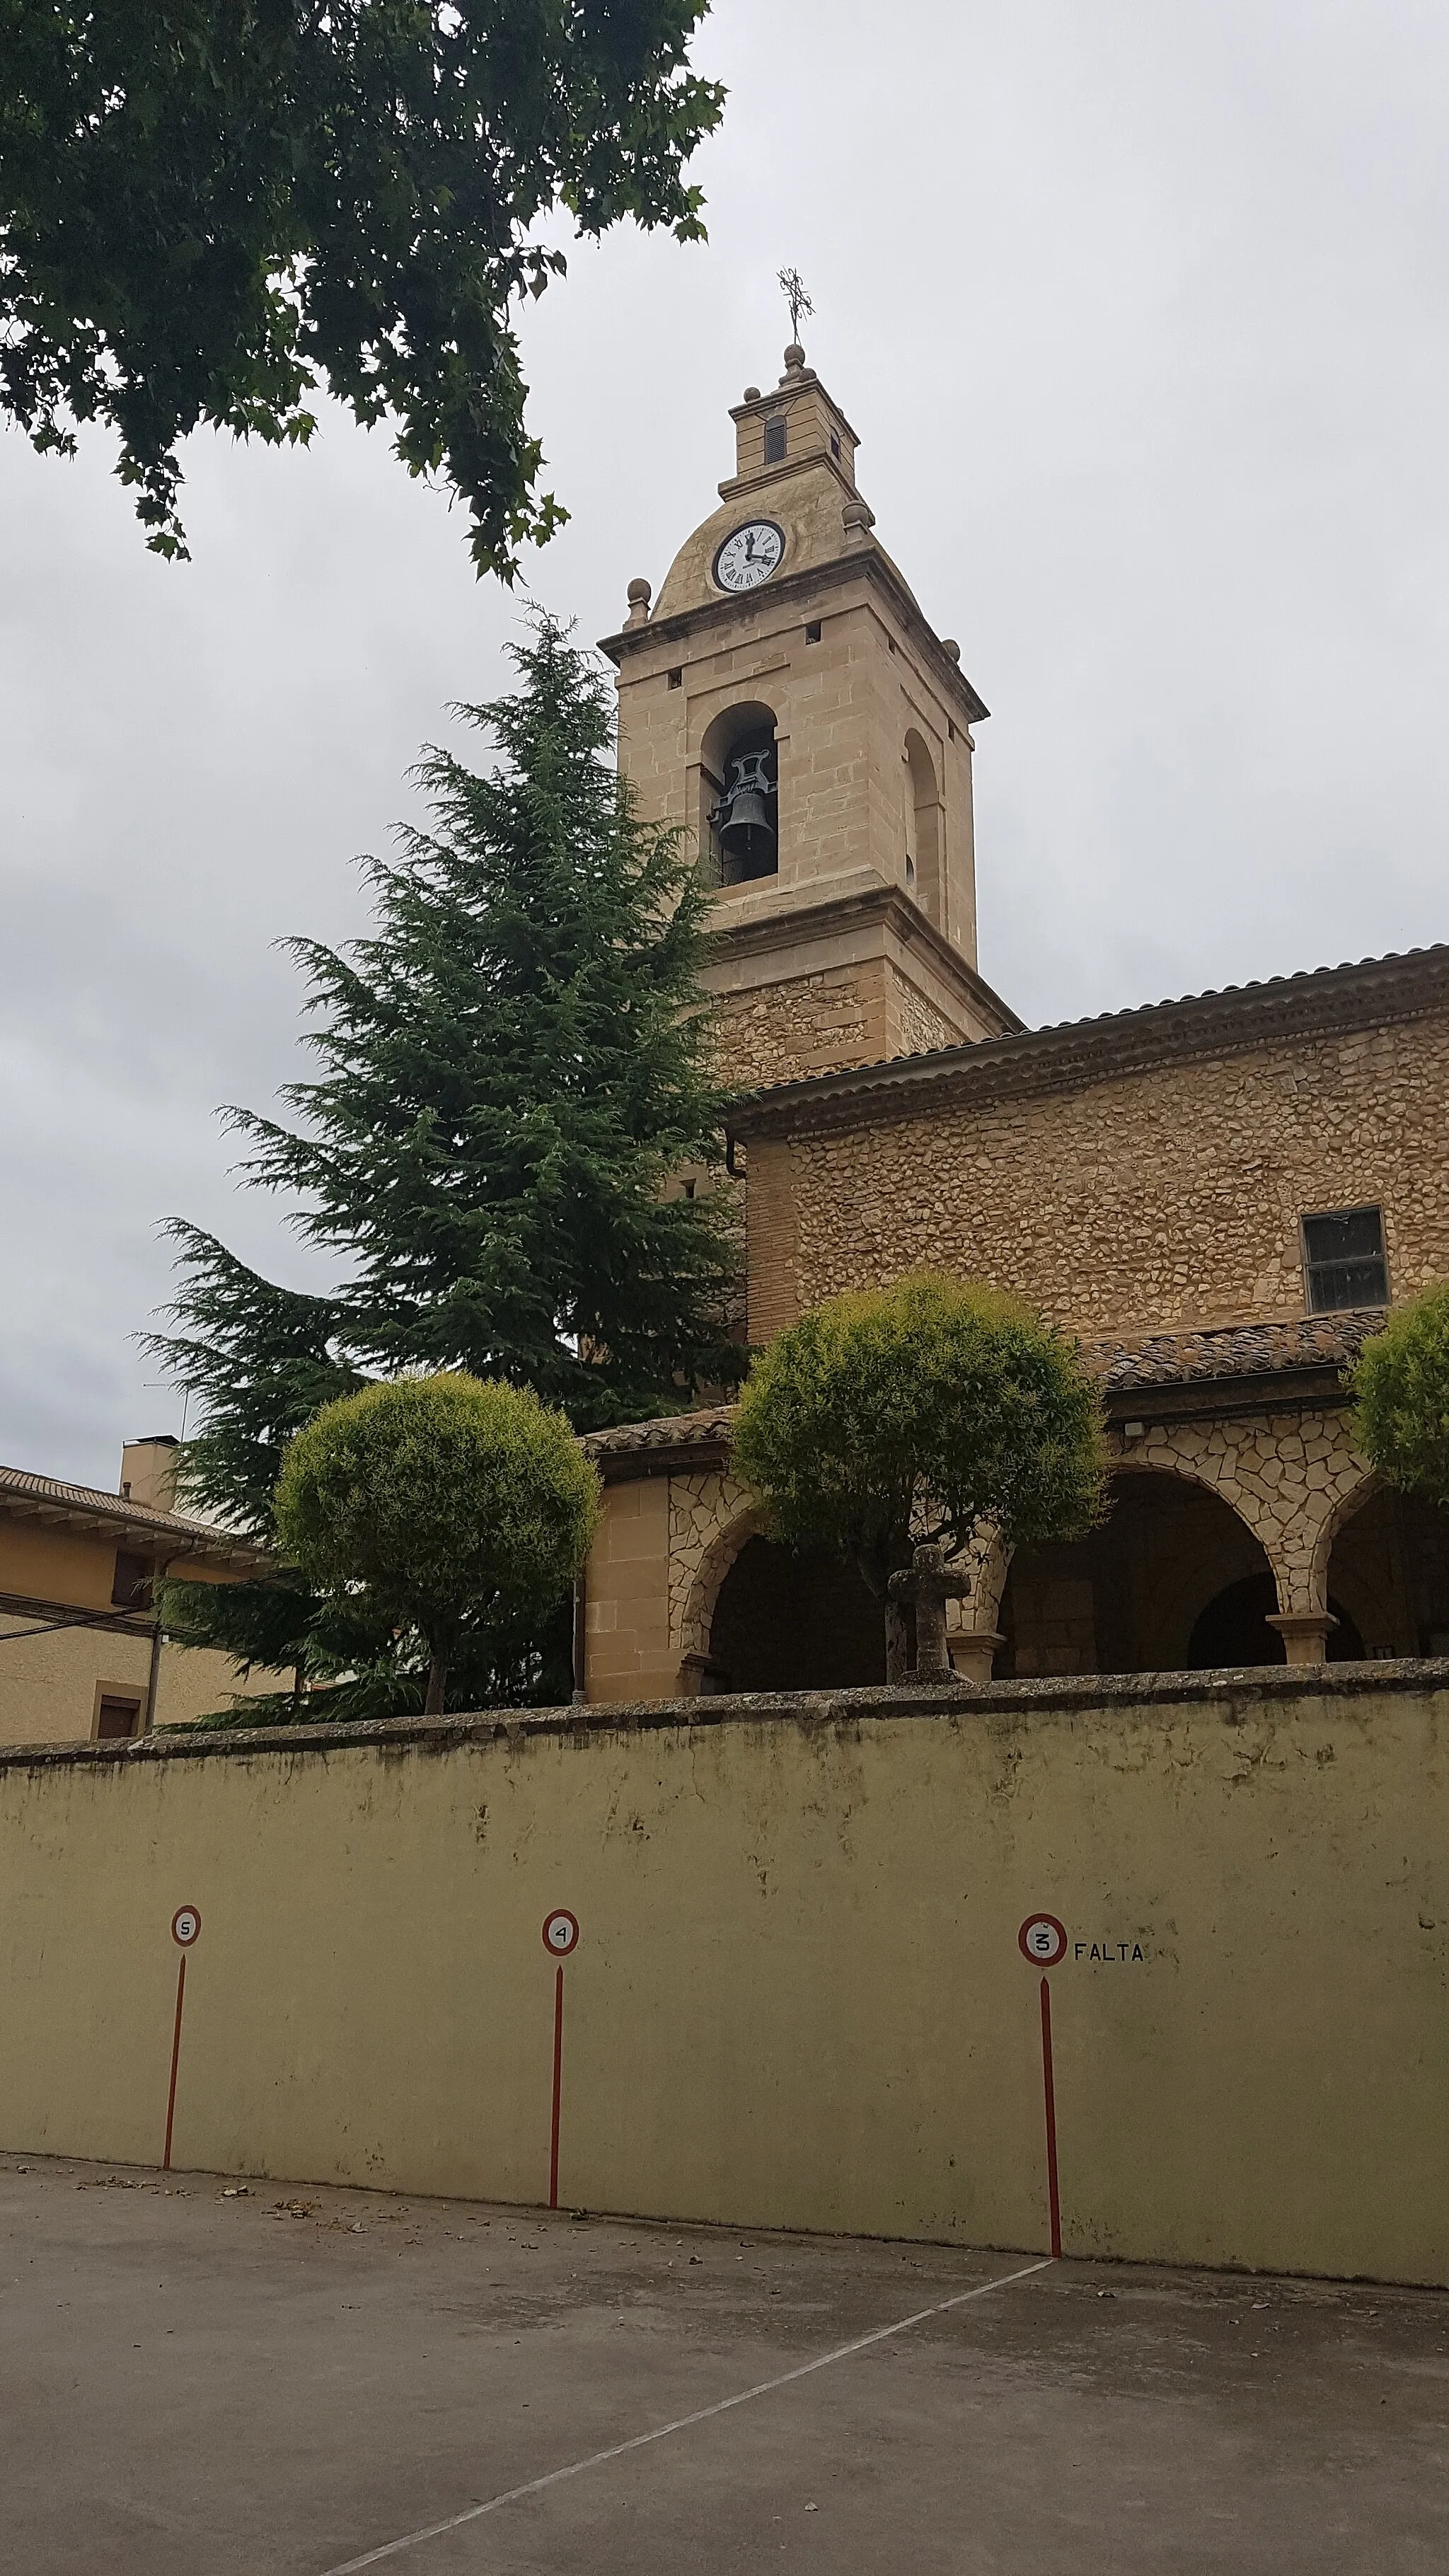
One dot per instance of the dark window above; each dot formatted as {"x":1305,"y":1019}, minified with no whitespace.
{"x":834,"y":444}
{"x":1343,"y":1258}
{"x":131,"y":1587}
{"x":676,"y":679}
{"x":812,"y":631}
{"x":774,"y":441}
{"x":116,"y":1719}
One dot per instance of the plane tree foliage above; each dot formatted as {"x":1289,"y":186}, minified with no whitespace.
{"x":211,"y":211}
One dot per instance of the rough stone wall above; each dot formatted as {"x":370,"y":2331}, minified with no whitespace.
{"x":814,"y":1024}
{"x":773,"y":1292}
{"x":708,"y":1518}
{"x":1156,"y":1201}
{"x":917,"y":1027}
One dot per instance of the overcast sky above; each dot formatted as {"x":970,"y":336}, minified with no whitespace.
{"x":1141,"y":315}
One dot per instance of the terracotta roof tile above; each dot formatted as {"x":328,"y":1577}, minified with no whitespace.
{"x":19,"y":1485}
{"x":1312,"y":1342}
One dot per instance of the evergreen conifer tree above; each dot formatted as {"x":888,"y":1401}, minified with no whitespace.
{"x":512,"y":1066}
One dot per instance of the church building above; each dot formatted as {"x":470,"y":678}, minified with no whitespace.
{"x":1218,"y":1196}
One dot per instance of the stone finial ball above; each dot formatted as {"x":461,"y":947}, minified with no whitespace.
{"x":794,"y":355}
{"x":950,"y":647}
{"x":640,"y":592}
{"x":752,"y":393}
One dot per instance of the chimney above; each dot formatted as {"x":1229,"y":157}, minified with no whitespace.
{"x":148,"y":1472}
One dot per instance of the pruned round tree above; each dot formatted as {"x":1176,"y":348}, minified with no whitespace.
{"x":443,"y":1503}
{"x":920,"y":1413}
{"x":1401,"y":1383}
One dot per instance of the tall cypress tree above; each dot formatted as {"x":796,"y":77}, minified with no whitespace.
{"x":512,"y":1066}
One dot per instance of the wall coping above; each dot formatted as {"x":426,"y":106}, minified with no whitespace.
{"x":1236,"y":1694}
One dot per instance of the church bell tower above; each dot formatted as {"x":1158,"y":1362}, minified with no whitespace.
{"x":786,"y":702}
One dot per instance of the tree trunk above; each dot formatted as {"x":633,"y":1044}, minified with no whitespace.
{"x":897,"y":1642}
{"x":437,"y":1684}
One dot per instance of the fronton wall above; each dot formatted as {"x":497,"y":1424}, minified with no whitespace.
{"x":797,"y":1998}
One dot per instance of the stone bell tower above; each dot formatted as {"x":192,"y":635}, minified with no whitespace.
{"x":788,"y":704}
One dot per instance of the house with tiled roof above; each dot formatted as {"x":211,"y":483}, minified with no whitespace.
{"x":82,"y":1653}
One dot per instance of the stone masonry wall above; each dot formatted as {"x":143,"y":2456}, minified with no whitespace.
{"x":814,"y":1024}
{"x":917,"y":1027}
{"x":1157,"y":1201}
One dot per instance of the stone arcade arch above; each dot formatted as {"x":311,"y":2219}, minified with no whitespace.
{"x":756,"y":1616}
{"x":1385,"y":1567}
{"x":1133,"y":1595}
{"x":788,"y":1619}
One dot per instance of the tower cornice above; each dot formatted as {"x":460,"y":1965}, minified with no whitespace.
{"x":867,"y":562}
{"x":877,"y":907}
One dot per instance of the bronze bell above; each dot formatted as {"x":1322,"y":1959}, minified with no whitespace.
{"x":743,"y":819}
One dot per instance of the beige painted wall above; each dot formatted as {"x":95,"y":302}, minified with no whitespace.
{"x":48,"y":1683}
{"x":798,"y":1998}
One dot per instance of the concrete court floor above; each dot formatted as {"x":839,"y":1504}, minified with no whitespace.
{"x":195,"y":2384}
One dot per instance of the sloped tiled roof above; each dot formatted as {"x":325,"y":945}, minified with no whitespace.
{"x":53,"y":1499}
{"x":1370,"y":992}
{"x":1231,"y":1350}
{"x":1312,"y":1343}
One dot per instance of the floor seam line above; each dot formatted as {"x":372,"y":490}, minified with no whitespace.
{"x":682,"y":2423}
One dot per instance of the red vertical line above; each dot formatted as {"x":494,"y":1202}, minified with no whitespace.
{"x":557,"y":2086}
{"x":1050,"y":2093}
{"x":175,"y":2061}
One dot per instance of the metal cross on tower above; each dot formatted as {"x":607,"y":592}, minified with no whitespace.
{"x":792,"y":287}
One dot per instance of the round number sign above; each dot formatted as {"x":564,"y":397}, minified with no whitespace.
{"x":1043,"y":1940}
{"x":561,"y":1932}
{"x":185,"y":1924}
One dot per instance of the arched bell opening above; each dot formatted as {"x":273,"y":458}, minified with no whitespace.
{"x":788,"y":1619}
{"x":740,"y":794}
{"x":923,"y":829}
{"x":1388,"y":1575}
{"x":1129,"y":1598}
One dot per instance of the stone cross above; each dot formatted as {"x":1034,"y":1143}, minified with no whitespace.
{"x":930,"y":1583}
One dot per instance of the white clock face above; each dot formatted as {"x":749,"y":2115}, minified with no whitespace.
{"x":749,"y":556}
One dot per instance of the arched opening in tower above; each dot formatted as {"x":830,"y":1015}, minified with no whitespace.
{"x":740,"y":772}
{"x":924,"y":832}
